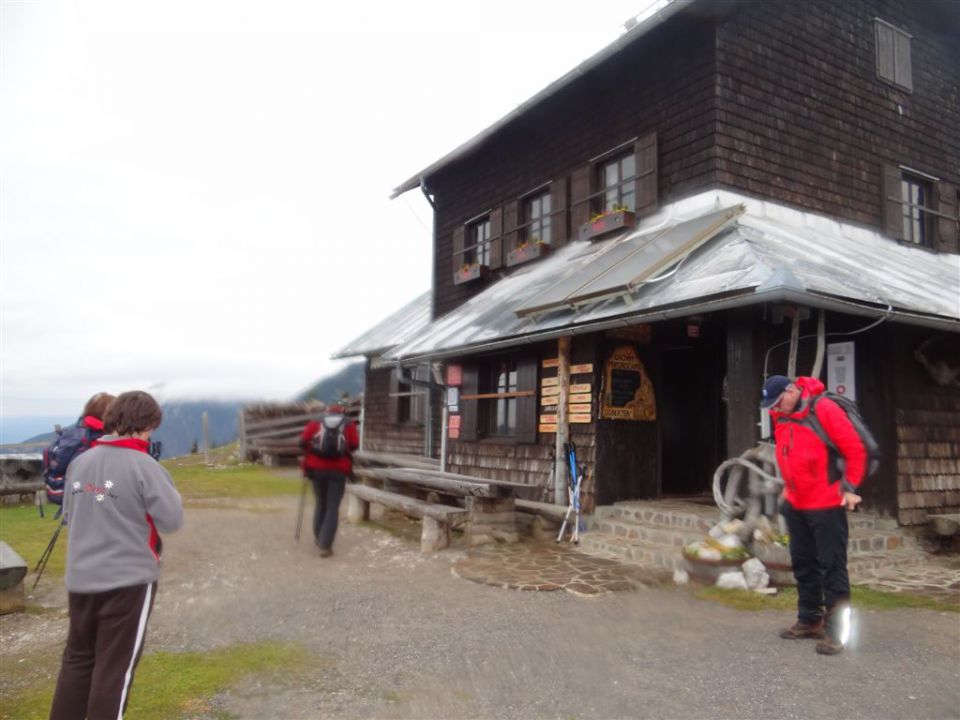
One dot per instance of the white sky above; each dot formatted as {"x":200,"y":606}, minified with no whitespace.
{"x":186,"y":186}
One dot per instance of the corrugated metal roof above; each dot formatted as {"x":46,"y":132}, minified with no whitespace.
{"x":769,"y":253}
{"x":399,"y":327}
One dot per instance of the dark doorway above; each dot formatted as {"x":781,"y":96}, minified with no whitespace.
{"x":690,"y":407}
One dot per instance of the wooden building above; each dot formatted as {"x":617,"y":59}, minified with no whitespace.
{"x":729,"y":190}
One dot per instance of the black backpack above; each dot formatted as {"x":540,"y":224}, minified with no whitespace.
{"x":69,"y":442}
{"x":329,"y":441}
{"x":835,"y":463}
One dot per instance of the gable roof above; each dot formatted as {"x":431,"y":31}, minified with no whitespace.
{"x":767,"y":253}
{"x":643,"y":27}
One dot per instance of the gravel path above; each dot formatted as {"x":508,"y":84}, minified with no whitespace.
{"x":401,"y":637}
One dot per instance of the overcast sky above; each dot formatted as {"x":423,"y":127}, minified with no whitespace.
{"x":194,"y":194}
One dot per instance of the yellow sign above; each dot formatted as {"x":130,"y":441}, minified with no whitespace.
{"x":581,"y":369}
{"x":627,"y":391}
{"x":552,"y":390}
{"x":548,"y":419}
{"x":585,"y":418}
{"x":547,"y":382}
{"x":547,"y":428}
{"x":580,"y":388}
{"x":550,"y":400}
{"x":550,"y":362}
{"x":579,"y":409}
{"x":580,"y":398}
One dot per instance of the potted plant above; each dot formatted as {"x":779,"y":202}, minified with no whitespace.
{"x":527,"y":250}
{"x":606,"y":222}
{"x":468,"y":272}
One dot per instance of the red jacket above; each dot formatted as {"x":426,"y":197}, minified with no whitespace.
{"x":803,"y":457}
{"x":342,"y":464}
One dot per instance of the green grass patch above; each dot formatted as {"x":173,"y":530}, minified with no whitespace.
{"x":864,"y":598}
{"x":22,"y":528}
{"x":199,"y":482}
{"x":178,"y":685}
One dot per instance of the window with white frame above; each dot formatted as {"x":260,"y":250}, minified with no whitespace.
{"x":476,"y":251}
{"x":616,"y":182}
{"x":536,"y":219}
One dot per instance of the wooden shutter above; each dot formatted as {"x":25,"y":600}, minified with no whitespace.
{"x":511,"y":218}
{"x":558,"y":212}
{"x":646,"y":163}
{"x":946,"y":236}
{"x":458,"y":235}
{"x":496,"y":238}
{"x":902,"y":68}
{"x":527,"y":406}
{"x":892,"y":201}
{"x":393,"y":402}
{"x":580,"y":197}
{"x":885,"y":52}
{"x":468,"y":408}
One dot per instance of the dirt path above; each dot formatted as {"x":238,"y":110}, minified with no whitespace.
{"x":401,"y":637}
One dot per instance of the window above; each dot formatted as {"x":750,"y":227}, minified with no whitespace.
{"x":408,"y":401}
{"x":893,"y":55}
{"x":477,"y":249}
{"x":536,"y":220}
{"x":615,"y":181}
{"x":917,"y":195}
{"x":501,"y":412}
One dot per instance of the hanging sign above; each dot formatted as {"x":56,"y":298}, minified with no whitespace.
{"x":547,"y":428}
{"x":550,"y":381}
{"x":627,"y":391}
{"x":551,"y":390}
{"x":581,"y":369}
{"x":454,"y":375}
{"x":453,"y":427}
{"x":550,"y":363}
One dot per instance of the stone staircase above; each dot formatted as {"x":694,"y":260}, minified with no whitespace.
{"x":652,"y":533}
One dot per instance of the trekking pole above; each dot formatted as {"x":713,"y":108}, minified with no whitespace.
{"x":42,"y":562}
{"x":303,"y":500}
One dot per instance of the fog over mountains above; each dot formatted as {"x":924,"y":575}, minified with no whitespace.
{"x":182,"y":425}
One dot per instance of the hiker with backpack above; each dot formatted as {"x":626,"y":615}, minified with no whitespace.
{"x":117,"y":500}
{"x":70,"y":442}
{"x":327,"y":462}
{"x":809,"y":428}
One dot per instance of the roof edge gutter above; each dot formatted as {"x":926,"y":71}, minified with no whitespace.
{"x":780,"y":294}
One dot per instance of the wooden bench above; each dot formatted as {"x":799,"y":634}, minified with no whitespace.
{"x":437,"y":519}
{"x":547,"y":517}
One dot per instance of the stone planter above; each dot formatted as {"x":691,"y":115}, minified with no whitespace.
{"x":776,"y":558}
{"x":707,"y":571}
{"x":607,"y":223}
{"x":530,"y":251}
{"x":468,"y":273}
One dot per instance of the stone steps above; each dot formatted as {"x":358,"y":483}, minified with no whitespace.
{"x":653,"y":533}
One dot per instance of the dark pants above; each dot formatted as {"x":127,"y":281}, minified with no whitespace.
{"x":328,"y":486}
{"x":818,"y":551}
{"x":103,"y":648}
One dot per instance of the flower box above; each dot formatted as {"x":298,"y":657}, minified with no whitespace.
{"x":606,"y":223}
{"x":469,"y":272}
{"x":527,"y":251}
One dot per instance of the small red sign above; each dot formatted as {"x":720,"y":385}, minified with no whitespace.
{"x":454,"y":375}
{"x":841,"y":389}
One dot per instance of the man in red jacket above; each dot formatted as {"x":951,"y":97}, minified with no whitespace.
{"x":814,"y":508}
{"x":327,"y":461}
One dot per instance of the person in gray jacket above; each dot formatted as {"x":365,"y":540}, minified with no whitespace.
{"x":116,"y":501}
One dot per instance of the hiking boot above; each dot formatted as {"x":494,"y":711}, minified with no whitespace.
{"x":829,"y":646}
{"x":802,"y":630}
{"x":326,"y":552}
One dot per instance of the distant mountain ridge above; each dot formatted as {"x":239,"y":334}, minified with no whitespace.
{"x":182,"y":424}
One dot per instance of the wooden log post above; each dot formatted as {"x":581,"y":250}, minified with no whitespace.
{"x":560,"y":461}
{"x":491,"y":520}
{"x":358,"y":509}
{"x":434,"y":536}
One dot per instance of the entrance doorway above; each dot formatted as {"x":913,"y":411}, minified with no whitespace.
{"x":690,"y":407}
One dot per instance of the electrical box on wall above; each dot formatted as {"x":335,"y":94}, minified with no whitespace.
{"x":841,"y":369}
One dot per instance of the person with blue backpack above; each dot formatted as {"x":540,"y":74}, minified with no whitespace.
{"x":70,"y":442}
{"x":811,"y":428}
{"x":328,"y":445}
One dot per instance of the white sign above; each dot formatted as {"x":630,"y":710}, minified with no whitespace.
{"x":841,"y":369}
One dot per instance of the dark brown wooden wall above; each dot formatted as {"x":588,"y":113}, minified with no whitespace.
{"x":668,"y":87}
{"x":380,"y":433}
{"x":802,"y":116}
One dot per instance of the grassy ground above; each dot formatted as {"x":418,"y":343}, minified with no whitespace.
{"x":177,"y":685}
{"x":864,"y":598}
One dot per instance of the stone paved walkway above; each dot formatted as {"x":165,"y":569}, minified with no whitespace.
{"x":938,"y":578}
{"x":548,"y":567}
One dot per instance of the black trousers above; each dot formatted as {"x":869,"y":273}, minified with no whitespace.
{"x":818,"y":551}
{"x":328,"y":487}
{"x":104,"y":643}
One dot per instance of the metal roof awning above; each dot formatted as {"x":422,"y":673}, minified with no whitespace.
{"x":401,"y":326}
{"x":749,"y":253}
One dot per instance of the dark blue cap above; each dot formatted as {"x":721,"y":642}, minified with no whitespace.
{"x":773,"y":388}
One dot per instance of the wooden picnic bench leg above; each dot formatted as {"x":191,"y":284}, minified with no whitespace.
{"x":491,"y":520}
{"x":435,"y":535}
{"x":358,"y":510}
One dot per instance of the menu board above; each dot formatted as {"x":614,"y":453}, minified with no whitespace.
{"x":627,"y":391}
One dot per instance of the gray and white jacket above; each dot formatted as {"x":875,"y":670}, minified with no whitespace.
{"x":116,"y":501}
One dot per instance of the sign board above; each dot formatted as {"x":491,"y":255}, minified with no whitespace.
{"x":634,"y":333}
{"x":579,"y":409}
{"x":453,"y":427}
{"x":581,"y":369}
{"x":552,"y":390}
{"x":547,"y":382}
{"x":841,"y":369}
{"x":454,"y":375}
{"x":580,"y":398}
{"x":453,"y":399}
{"x":580,"y":418}
{"x":580,"y":388}
{"x":549,"y":399}
{"x":550,"y":363}
{"x":548,"y":419}
{"x":547,"y":428}
{"x":627,"y":391}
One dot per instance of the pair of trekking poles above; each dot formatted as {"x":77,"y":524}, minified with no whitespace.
{"x":42,"y":562}
{"x":576,"y":472}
